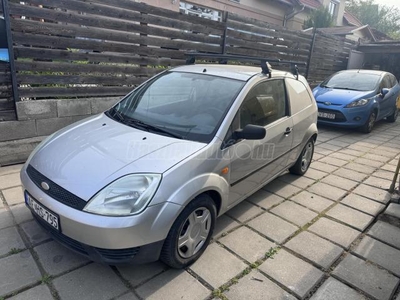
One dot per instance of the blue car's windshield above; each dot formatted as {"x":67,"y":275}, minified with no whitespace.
{"x":352,"y":81}
{"x":184,"y":105}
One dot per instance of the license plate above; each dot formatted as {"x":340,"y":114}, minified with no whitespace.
{"x":51,"y":218}
{"x":326,"y":115}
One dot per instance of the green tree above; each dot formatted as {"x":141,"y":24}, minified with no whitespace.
{"x":380,"y":17}
{"x":319,"y":18}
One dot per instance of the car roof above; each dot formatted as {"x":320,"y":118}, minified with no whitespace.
{"x":237,"y":72}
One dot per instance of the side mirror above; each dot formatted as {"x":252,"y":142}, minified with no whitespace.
{"x":384,"y":91}
{"x":250,"y":132}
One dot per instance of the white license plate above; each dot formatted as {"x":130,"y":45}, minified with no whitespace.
{"x":42,"y":212}
{"x":326,"y":115}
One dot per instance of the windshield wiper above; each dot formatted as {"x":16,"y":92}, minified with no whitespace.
{"x":115,"y":113}
{"x":149,"y":127}
{"x":345,"y":88}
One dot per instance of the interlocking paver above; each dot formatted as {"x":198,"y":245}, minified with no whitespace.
{"x":360,"y":168}
{"x":384,"y":174}
{"x":294,"y":273}
{"x":265,"y":199}
{"x":333,"y":289}
{"x":327,"y":191}
{"x":17,"y":271}
{"x":14,"y":195}
{"x":253,"y":249}
{"x":376,"y":157}
{"x":379,"y":253}
{"x":10,"y":169}
{"x":141,"y":273}
{"x":79,"y":283}
{"x":244,"y":211}
{"x":385,"y":232}
{"x":324,"y":167}
{"x":375,"y":282}
{"x":368,"y":162}
{"x":6,"y":218}
{"x":312,"y":201}
{"x":282,"y":188}
{"x":217,"y":266}
{"x":224,"y":224}
{"x":315,"y":174}
{"x":294,"y":213}
{"x":343,"y":156}
{"x":393,"y":210}
{"x":171,"y":285}
{"x":389,"y":167}
{"x":373,"y":193}
{"x":334,"y":161}
{"x":378,"y":182}
{"x":40,"y":292}
{"x":350,"y":174}
{"x":21,"y":213}
{"x":314,"y":248}
{"x":9,"y":239}
{"x":34,"y":232}
{"x":340,"y":182}
{"x":355,"y":153}
{"x":323,"y":151}
{"x":299,"y":181}
{"x":57,"y":259}
{"x":329,"y":146}
{"x":273,"y":227}
{"x":364,"y":204}
{"x":128,"y":296}
{"x":9,"y":180}
{"x":256,"y":286}
{"x":350,"y":216}
{"x":338,"y":143}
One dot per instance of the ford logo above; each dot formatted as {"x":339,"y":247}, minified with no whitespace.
{"x":327,"y":103}
{"x":45,"y":186}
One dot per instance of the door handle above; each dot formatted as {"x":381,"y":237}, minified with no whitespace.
{"x":288,"y":131}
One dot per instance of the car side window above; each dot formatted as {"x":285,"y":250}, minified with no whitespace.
{"x":385,"y":83}
{"x":393,"y":80}
{"x":298,"y":95}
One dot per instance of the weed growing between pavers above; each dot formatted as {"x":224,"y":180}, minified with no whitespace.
{"x":45,"y":279}
{"x":271,"y":252}
{"x":15,"y":251}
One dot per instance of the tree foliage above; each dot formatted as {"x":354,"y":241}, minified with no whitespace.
{"x":319,"y":18}
{"x":380,"y":17}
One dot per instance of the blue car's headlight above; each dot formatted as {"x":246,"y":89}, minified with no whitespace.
{"x":358,"y":103}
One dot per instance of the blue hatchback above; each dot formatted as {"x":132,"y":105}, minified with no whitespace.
{"x":357,"y":99}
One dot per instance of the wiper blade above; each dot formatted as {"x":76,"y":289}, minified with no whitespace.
{"x":116,"y":113}
{"x":149,"y":127}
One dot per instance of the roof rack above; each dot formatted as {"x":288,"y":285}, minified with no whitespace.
{"x":264,"y":62}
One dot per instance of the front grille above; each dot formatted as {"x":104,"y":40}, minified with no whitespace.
{"x":56,"y":192}
{"x":118,"y":254}
{"x":339,"y":117}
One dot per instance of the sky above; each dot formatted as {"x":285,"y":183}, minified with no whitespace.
{"x":390,"y":3}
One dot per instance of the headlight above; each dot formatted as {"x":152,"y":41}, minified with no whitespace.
{"x":357,"y":103}
{"x":128,"y":195}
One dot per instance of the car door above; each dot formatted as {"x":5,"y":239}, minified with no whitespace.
{"x":255,"y":162}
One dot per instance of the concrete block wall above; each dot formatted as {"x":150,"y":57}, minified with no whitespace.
{"x":39,"y":118}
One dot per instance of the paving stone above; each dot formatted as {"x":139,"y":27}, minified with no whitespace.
{"x":265,"y":199}
{"x":244,"y":211}
{"x":217,"y":266}
{"x":343,"y":156}
{"x":327,"y":191}
{"x":9,"y":239}
{"x":334,"y":161}
{"x":282,"y":188}
{"x":273,"y":227}
{"x":141,"y":273}
{"x":14,"y":195}
{"x":375,"y":282}
{"x":292,"y":272}
{"x":253,"y":249}
{"x":315,"y":174}
{"x":338,"y":143}
{"x":343,"y":183}
{"x":317,"y":156}
{"x":361,"y":146}
{"x":256,"y":286}
{"x":384,"y":174}
{"x":57,"y":259}
{"x":333,"y":289}
{"x":299,"y":181}
{"x":379,"y":183}
{"x":393,"y":210}
{"x":10,"y":169}
{"x":34,"y":232}
{"x":9,"y":180}
{"x":379,"y":253}
{"x":171,"y":285}
{"x":376,"y":157}
{"x":350,"y":174}
{"x":128,"y":296}
{"x":373,"y":193}
{"x":21,"y":213}
{"x":314,"y":248}
{"x":350,"y":216}
{"x":294,"y":213}
{"x":329,"y":146}
{"x":364,"y":204}
{"x":17,"y":271}
{"x":79,"y":284}
{"x":352,"y":152}
{"x":368,"y":162}
{"x":323,"y":151}
{"x":388,"y":167}
{"x":360,"y":168}
{"x":385,"y":232}
{"x":312,"y":201}
{"x":6,"y":219}
{"x":323,"y":167}
{"x":40,"y":292}
{"x":224,"y":224}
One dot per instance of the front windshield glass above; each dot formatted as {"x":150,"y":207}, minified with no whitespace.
{"x":186,"y":105}
{"x":352,"y":81}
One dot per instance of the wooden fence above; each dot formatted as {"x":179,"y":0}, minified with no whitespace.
{"x":91,"y":48}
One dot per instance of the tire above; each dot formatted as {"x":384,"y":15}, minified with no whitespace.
{"x":303,"y":162}
{"x":197,"y":218}
{"x":393,"y":117}
{"x":367,"y":127}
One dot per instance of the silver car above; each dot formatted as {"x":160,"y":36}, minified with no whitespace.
{"x":147,"y":179}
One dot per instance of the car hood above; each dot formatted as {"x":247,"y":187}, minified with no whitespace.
{"x":338,"y":96}
{"x":86,"y":156}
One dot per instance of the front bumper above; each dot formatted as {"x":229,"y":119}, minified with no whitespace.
{"x":345,"y":117}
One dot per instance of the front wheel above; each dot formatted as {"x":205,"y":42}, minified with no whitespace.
{"x":190,"y":234}
{"x":303,"y":162}
{"x":393,"y":117}
{"x":367,"y":127}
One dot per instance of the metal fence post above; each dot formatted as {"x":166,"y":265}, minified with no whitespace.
{"x":6,"y":12}
{"x":311,"y":52}
{"x":225,"y":20}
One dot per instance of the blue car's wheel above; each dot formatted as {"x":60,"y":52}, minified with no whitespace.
{"x":393,"y":117}
{"x":367,"y":127}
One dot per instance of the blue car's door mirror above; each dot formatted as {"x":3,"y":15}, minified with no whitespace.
{"x":384,"y":92}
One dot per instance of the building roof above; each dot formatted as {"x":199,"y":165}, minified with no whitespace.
{"x":348,"y":30}
{"x":314,"y":4}
{"x":351,"y":19}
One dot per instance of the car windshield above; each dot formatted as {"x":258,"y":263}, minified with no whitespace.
{"x":183,"y":105}
{"x":352,"y":81}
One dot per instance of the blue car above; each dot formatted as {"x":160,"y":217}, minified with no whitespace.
{"x":357,"y":99}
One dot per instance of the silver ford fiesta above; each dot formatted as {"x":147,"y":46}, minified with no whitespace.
{"x":147,"y":179}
